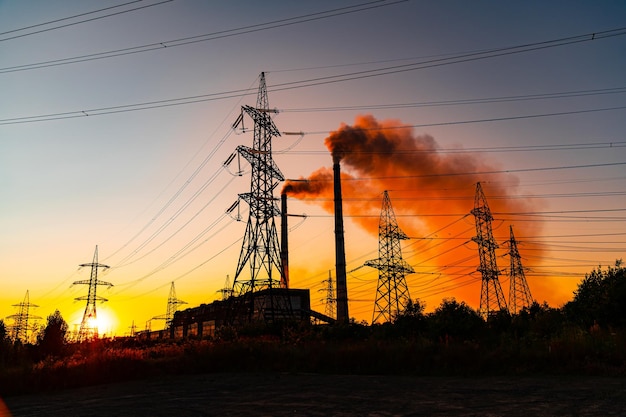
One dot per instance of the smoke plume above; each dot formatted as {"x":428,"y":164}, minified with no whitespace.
{"x":429,"y":188}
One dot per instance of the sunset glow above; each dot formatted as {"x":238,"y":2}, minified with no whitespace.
{"x":120,"y":132}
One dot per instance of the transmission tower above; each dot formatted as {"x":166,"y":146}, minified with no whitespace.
{"x":133,"y":329}
{"x":20,"y":326}
{"x":172,"y":305}
{"x":330,"y":301}
{"x":491,"y":297}
{"x":519,"y":293}
{"x":89,"y":324}
{"x":392,"y":293}
{"x":227,"y":291}
{"x":260,"y":249}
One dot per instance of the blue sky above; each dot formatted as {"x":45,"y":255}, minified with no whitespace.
{"x":69,"y":184}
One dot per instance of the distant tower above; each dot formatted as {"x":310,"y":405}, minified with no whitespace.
{"x":491,"y":297}
{"x":172,"y":306}
{"x":392,"y":293}
{"x":330,"y":301}
{"x":227,"y":291}
{"x":20,"y":326}
{"x":260,"y":249}
{"x":89,"y":324}
{"x":519,"y":293}
{"x":133,"y":329}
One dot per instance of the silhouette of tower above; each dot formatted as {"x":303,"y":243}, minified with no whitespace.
{"x":89,"y":324}
{"x":20,"y":328}
{"x":330,"y":301}
{"x":133,"y":329}
{"x":227,"y":291}
{"x":519,"y":292}
{"x":491,"y":296}
{"x":392,"y":293}
{"x":172,"y":306}
{"x":260,"y":249}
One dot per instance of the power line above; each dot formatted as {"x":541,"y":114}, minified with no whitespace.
{"x":493,"y":119}
{"x":68,"y":18}
{"x":491,"y":149}
{"x":316,"y":82}
{"x":504,"y":171}
{"x":76,"y":23}
{"x":208,"y":36}
{"x":468,"y":197}
{"x":491,"y":53}
{"x":457,"y":102}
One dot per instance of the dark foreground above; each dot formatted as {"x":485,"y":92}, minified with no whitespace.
{"x":234,"y":394}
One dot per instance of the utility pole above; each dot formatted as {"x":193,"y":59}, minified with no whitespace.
{"x":491,"y":297}
{"x":20,"y":326}
{"x":260,"y":250}
{"x":392,"y":293}
{"x":89,"y":324}
{"x":519,"y":292}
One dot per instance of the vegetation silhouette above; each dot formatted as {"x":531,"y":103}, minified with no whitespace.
{"x":586,"y":336}
{"x":52,"y":338}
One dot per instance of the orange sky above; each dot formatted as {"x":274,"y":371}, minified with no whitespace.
{"x":127,"y":152}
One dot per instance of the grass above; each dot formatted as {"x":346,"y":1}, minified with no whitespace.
{"x":571,"y":352}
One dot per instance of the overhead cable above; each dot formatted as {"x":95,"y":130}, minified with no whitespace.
{"x":76,"y":23}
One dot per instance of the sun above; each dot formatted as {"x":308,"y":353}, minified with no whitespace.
{"x":105,"y":322}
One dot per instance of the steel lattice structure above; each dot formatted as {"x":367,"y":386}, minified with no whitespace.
{"x":330,"y":301}
{"x":172,"y":305}
{"x":89,"y":325}
{"x":20,"y":328}
{"x":491,"y":297}
{"x":260,"y":249}
{"x":392,"y":293}
{"x":519,"y":292}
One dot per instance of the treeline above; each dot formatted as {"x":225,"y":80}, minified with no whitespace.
{"x":585,"y":336}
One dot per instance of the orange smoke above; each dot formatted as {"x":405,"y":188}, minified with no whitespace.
{"x":430,"y":189}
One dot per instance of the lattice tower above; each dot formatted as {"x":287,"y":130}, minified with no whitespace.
{"x":330,"y":301}
{"x":172,"y":306}
{"x":392,"y":293}
{"x":20,"y":327}
{"x":491,"y":297}
{"x":260,"y":249}
{"x":133,"y":329}
{"x":89,"y":325}
{"x":519,"y":292}
{"x":227,"y":291}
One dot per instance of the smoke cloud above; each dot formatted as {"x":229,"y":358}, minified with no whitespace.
{"x":429,"y":188}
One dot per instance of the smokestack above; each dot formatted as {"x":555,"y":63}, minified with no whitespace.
{"x":340,"y":249}
{"x":284,"y":243}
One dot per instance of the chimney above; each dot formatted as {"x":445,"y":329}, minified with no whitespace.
{"x":340,"y":249}
{"x":284,"y":243}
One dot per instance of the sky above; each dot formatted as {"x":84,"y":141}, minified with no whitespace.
{"x":116,"y":120}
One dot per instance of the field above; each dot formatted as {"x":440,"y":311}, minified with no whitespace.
{"x":289,"y":394}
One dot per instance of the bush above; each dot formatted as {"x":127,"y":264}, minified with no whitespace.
{"x":52,"y":339}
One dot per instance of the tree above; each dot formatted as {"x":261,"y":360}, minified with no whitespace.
{"x":600,"y":298}
{"x":411,"y":320}
{"x":53,"y":337}
{"x":456,"y":320}
{"x":3,"y":331}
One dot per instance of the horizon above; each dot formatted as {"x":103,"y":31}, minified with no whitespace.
{"x":127,"y":151}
